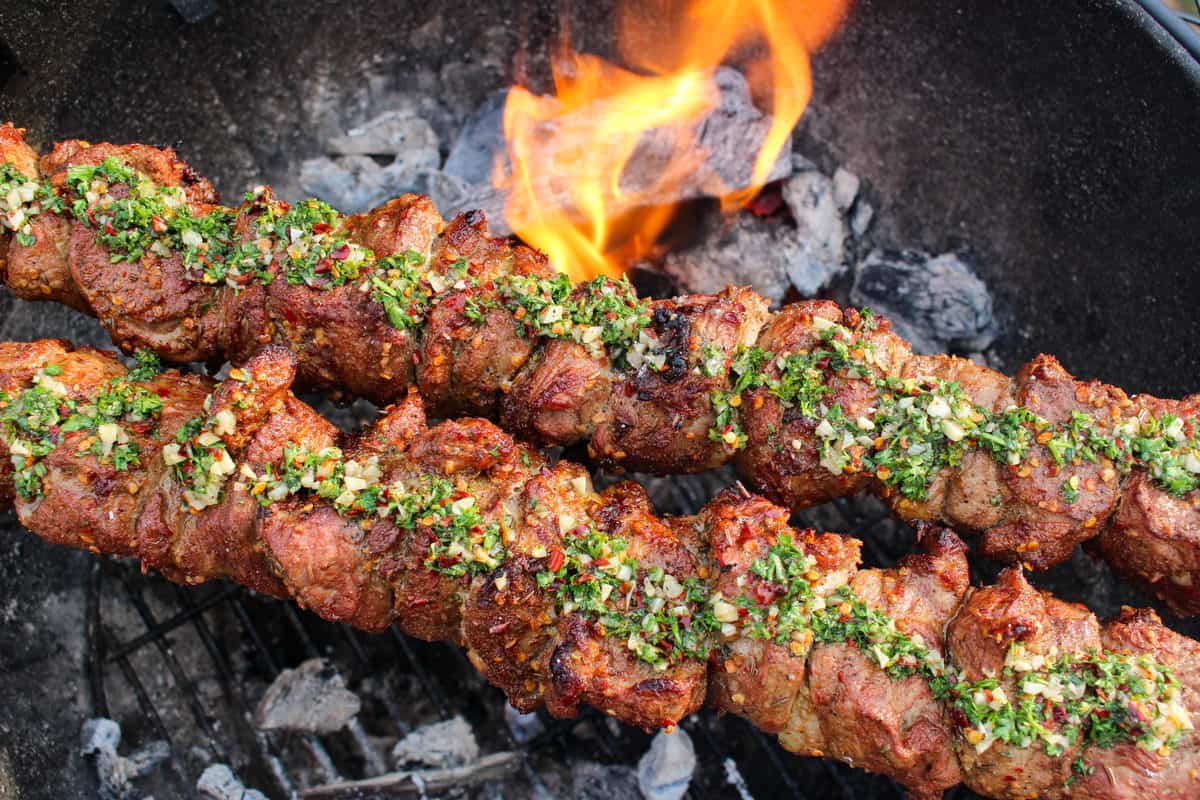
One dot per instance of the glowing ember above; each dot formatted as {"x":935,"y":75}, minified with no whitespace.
{"x":567,"y":187}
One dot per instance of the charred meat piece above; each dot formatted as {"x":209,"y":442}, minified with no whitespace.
{"x":814,"y":403}
{"x":565,"y":597}
{"x":884,"y":724}
{"x":980,"y":638}
{"x":663,"y":414}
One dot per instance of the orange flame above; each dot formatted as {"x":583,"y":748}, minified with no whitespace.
{"x":568,"y":193}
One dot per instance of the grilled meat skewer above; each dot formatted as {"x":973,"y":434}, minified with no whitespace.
{"x":563,"y":596}
{"x":813,"y":402}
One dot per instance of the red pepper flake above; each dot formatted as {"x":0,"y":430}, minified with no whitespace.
{"x":557,"y":558}
{"x":765,"y":594}
{"x":341,"y":253}
{"x":321,"y":227}
{"x":158,"y":224}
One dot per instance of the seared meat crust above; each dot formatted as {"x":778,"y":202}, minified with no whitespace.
{"x":470,"y":354}
{"x":881,"y":724}
{"x":821,"y":696}
{"x":990,"y":620}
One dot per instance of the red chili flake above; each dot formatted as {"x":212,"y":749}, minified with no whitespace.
{"x":322,"y":267}
{"x":321,"y":227}
{"x":557,"y":557}
{"x":765,"y":594}
{"x":341,"y":253}
{"x":158,"y":224}
{"x":109,"y":229}
{"x":766,"y":203}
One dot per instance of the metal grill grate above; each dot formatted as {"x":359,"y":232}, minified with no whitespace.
{"x":187,"y":665}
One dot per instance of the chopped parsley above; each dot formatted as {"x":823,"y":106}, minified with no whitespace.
{"x":662,"y":619}
{"x":34,"y":421}
{"x":398,"y":285}
{"x":199,"y":460}
{"x":1099,"y":698}
{"x":22,"y":199}
{"x":601,"y":314}
{"x":921,"y":426}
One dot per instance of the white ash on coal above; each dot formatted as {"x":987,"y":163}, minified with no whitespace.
{"x":450,"y":743}
{"x":937,"y":303}
{"x":821,"y":230}
{"x":523,"y":727}
{"x":373,"y":162}
{"x":743,"y":250}
{"x":665,"y":772}
{"x":100,"y":739}
{"x":312,"y":698}
{"x":218,"y":782}
{"x":397,"y":151}
{"x":806,"y":251}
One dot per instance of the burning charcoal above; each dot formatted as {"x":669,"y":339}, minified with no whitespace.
{"x":745,"y":250}
{"x":820,"y":228}
{"x":219,"y":783}
{"x":443,"y":744}
{"x":936,"y":302}
{"x":845,"y":188}
{"x":731,"y":137}
{"x":311,"y":698}
{"x":728,"y":139}
{"x":666,"y":769}
{"x":356,"y":183}
{"x":353,"y":181}
{"x":591,"y":781}
{"x":473,"y":154}
{"x":101,"y":738}
{"x":395,"y":133}
{"x":524,"y":727}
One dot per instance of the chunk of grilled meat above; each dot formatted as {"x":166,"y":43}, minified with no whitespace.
{"x":810,"y":402}
{"x":563,"y":596}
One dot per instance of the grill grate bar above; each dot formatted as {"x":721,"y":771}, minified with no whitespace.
{"x":431,"y":687}
{"x":789,"y":780}
{"x":233,"y":687}
{"x":173,"y":622}
{"x":181,"y":678}
{"x":94,"y":644}
{"x":139,"y":691}
{"x":311,"y":743}
{"x":432,"y":667}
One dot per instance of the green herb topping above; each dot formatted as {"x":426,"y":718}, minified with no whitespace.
{"x":920,"y":426}
{"x":1099,"y":698}
{"x":22,"y":199}
{"x":662,"y":619}
{"x":199,"y":458}
{"x":602,"y":314}
{"x":34,"y":421}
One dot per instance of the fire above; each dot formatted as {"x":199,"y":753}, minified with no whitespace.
{"x":568,"y":191}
